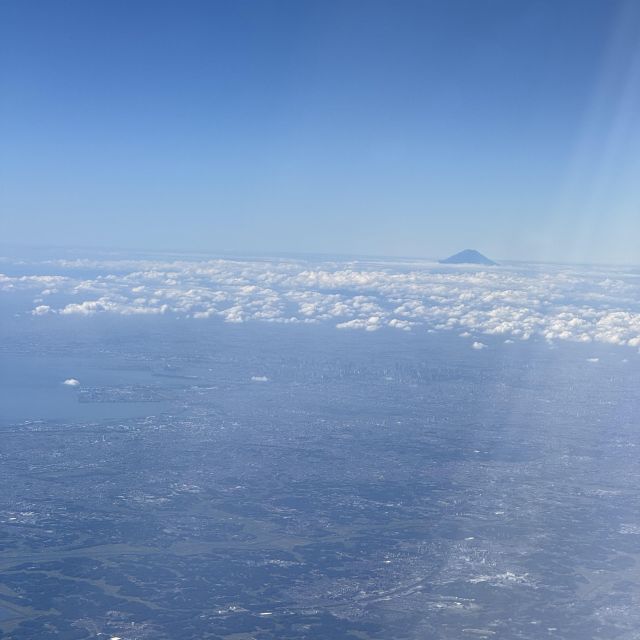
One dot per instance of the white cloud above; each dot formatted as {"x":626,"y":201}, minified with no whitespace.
{"x":552,"y":303}
{"x":405,"y":325}
{"x":368,"y":324}
{"x":42,"y":310}
{"x":478,"y":345}
{"x":72,"y":382}
{"x":87,"y":308}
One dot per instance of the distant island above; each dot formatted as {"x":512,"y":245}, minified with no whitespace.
{"x":469,"y":256}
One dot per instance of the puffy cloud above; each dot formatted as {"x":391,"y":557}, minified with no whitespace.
{"x":72,"y":382}
{"x":478,"y":345}
{"x":88,"y":307}
{"x":405,"y":325}
{"x":517,"y":303}
{"x":368,"y":324}
{"x":41,"y":310}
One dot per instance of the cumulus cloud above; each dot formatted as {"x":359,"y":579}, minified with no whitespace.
{"x":72,"y":382}
{"x":87,"y":308}
{"x":372,"y":323}
{"x":478,"y":345}
{"x":41,"y":310}
{"x":517,"y":303}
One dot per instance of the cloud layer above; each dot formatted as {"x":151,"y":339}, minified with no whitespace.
{"x":517,"y":302}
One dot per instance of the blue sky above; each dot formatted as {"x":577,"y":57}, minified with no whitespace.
{"x":389,"y":128}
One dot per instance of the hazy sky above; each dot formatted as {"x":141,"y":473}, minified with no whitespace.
{"x":393,"y":128}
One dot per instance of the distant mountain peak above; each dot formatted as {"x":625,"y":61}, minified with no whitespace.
{"x":468,"y":256}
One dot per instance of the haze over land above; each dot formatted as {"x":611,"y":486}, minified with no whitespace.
{"x":305,"y":449}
